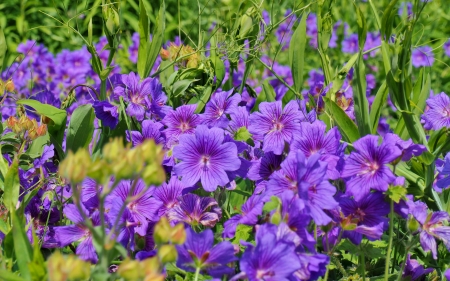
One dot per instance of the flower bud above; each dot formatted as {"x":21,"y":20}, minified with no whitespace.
{"x":165,"y":54}
{"x":276,"y":217}
{"x":162,"y":231}
{"x":153,"y":174}
{"x":413,"y":224}
{"x":13,"y":123}
{"x":113,"y":149}
{"x":167,"y":253}
{"x":178,"y":235}
{"x":75,"y":166}
{"x":9,"y":86}
{"x":77,"y":269}
{"x":99,"y":171}
{"x":130,"y":270}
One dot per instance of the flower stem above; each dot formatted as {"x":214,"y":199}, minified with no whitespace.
{"x":391,"y":239}
{"x":197,"y":273}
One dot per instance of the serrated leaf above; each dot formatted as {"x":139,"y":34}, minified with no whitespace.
{"x":81,"y":128}
{"x":396,"y":193}
{"x":297,"y":53}
{"x":243,"y":232}
{"x":242,"y":134}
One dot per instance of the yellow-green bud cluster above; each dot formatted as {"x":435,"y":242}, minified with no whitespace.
{"x":62,"y":268}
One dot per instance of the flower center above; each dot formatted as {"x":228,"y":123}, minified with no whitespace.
{"x":204,"y":160}
{"x":373,"y":167}
{"x":277,"y":126}
{"x":359,"y":214}
{"x":136,"y":99}
{"x":261,"y":273}
{"x":184,"y":127}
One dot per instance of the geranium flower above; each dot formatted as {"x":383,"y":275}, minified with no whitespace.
{"x":195,"y":210}
{"x":183,"y":120}
{"x":206,"y":157}
{"x":438,"y":114}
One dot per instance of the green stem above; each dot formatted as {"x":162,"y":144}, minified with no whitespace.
{"x":391,"y":239}
{"x":197,"y":273}
{"x":363,"y":264}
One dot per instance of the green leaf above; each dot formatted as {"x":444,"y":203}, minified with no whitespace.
{"x":243,"y":232}
{"x":144,"y":34}
{"x":396,"y":193}
{"x":3,"y":48}
{"x":268,"y":91}
{"x":204,"y":99}
{"x":154,"y":47}
{"x":37,"y":146}
{"x":57,"y":116}
{"x":81,"y":128}
{"x":338,"y":81}
{"x":242,"y":134}
{"x":180,"y":86}
{"x":360,"y":99}
{"x":346,"y":126}
{"x":9,"y":276}
{"x":219,"y":66}
{"x":12,"y":186}
{"x":272,"y":204}
{"x":297,"y":53}
{"x":22,"y":246}
{"x":377,"y":106}
{"x":362,"y":27}
{"x":388,"y":19}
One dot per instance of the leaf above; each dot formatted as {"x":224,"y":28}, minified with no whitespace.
{"x":57,"y":116}
{"x":242,"y":134}
{"x":272,"y":204}
{"x":377,"y":106}
{"x":144,"y":34}
{"x":396,"y":193}
{"x":22,"y":246}
{"x":388,"y":20}
{"x":269,"y":91}
{"x":37,"y":146}
{"x":3,"y":48}
{"x":9,"y":276}
{"x":362,"y":27}
{"x":346,"y":126}
{"x":154,"y":47}
{"x":12,"y":186}
{"x":81,"y":128}
{"x":219,"y":66}
{"x":297,"y":53}
{"x":204,"y":99}
{"x":179,"y":87}
{"x":361,"y":105}
{"x":243,"y":232}
{"x":338,"y":81}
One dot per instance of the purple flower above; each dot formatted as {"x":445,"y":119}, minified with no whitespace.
{"x":408,"y":148}
{"x":195,"y":210}
{"x":313,"y":139}
{"x":135,"y":93}
{"x":367,"y":166}
{"x":271,"y":259}
{"x":219,"y":105}
{"x":315,"y":185}
{"x":368,"y":215}
{"x":143,"y":207}
{"x":408,"y":10}
{"x":199,"y":251}
{"x":438,"y":114}
{"x":445,"y":182}
{"x":432,"y":227}
{"x":446,"y":47}
{"x":133,"y":50}
{"x":313,"y":266}
{"x":422,"y":56}
{"x":350,"y":44}
{"x":239,"y":118}
{"x":204,"y":156}
{"x":180,"y":121}
{"x":168,"y":194}
{"x":414,"y":270}
{"x":250,"y":210}
{"x":107,"y":113}
{"x":150,"y":130}
{"x":78,"y":232}
{"x":263,"y":167}
{"x":275,"y":125}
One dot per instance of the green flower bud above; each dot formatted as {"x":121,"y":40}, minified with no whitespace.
{"x":167,"y":253}
{"x":178,"y":235}
{"x":162,"y":231}
{"x":130,"y":270}
{"x":75,"y":167}
{"x":413,"y":224}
